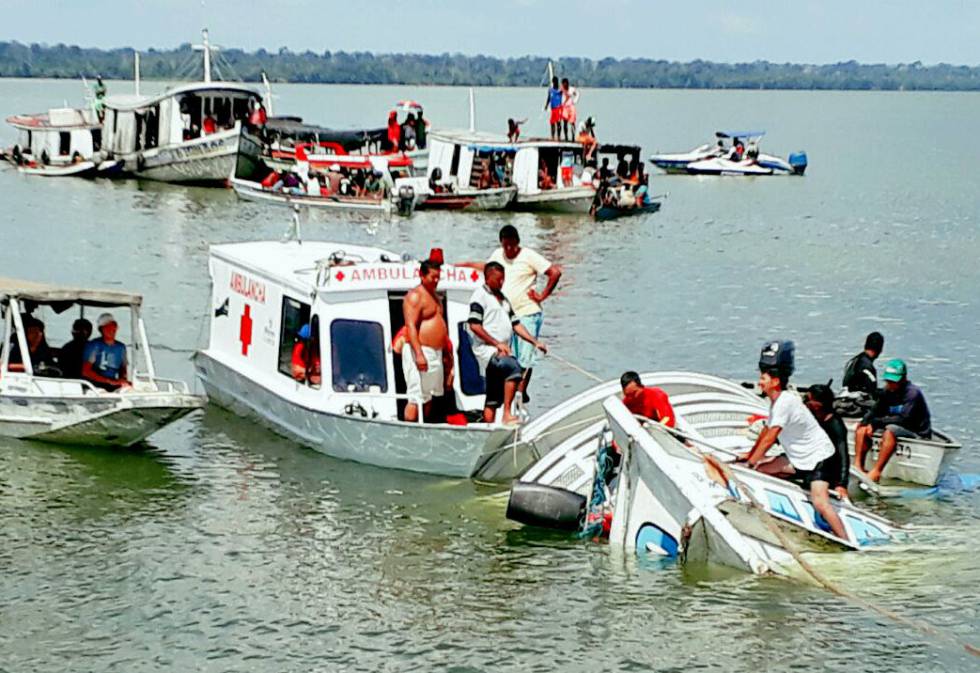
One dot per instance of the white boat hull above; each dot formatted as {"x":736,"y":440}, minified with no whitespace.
{"x":915,"y":461}
{"x":254,"y":191}
{"x":96,"y":420}
{"x":207,"y":160}
{"x":569,"y":200}
{"x":452,"y":451}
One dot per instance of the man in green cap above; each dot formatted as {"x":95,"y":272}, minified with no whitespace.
{"x":900,"y":412}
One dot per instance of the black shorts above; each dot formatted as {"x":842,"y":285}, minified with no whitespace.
{"x":828,"y":470}
{"x":499,"y":371}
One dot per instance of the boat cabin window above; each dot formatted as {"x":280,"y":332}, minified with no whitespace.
{"x":454,"y":165}
{"x":64,"y":143}
{"x":295,"y":315}
{"x":357,"y":356}
{"x":492,"y":169}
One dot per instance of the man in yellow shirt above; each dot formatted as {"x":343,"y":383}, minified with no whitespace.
{"x":522,"y":268}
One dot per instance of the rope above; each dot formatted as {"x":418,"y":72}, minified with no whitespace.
{"x":572,"y":365}
{"x":592,"y":525}
{"x":770,"y":523}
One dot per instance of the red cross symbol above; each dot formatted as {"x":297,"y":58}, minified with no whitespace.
{"x":245,"y":329}
{"x":340,"y":275}
{"x":474,"y":275}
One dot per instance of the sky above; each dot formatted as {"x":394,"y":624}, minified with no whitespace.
{"x":798,"y":31}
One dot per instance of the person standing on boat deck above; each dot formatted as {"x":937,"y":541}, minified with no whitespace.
{"x":426,"y":330}
{"x":70,"y":359}
{"x":553,"y":104}
{"x":569,"y":114}
{"x":492,"y":325}
{"x":394,"y":132}
{"x":900,"y":412}
{"x":305,"y":361}
{"x":647,"y":401}
{"x":523,"y":267}
{"x":421,"y":129}
{"x":104,"y":361}
{"x":859,"y":373}
{"x":820,"y":401}
{"x":807,"y":449}
{"x":100,"y":92}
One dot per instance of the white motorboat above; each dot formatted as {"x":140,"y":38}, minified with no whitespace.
{"x":350,"y":299}
{"x":61,"y":142}
{"x":915,"y":461}
{"x":194,"y":133}
{"x":722,"y":158}
{"x":669,"y":497}
{"x":42,"y":403}
{"x":548,"y":175}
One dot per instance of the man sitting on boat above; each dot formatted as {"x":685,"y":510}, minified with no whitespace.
{"x":491,"y":325}
{"x":820,"y":401}
{"x":646,"y":401}
{"x":426,"y":375}
{"x":72,"y":353}
{"x":808,"y":453}
{"x":859,"y":373}
{"x":900,"y":412}
{"x":105,"y":361}
{"x":37,"y":347}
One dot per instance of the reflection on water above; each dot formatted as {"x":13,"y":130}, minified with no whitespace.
{"x":222,"y":546}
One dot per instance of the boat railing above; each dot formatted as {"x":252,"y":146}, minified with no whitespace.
{"x":161,"y":385}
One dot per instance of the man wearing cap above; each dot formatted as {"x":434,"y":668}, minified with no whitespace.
{"x":104,"y":359}
{"x":424,"y":361}
{"x":807,"y":451}
{"x":859,"y":373}
{"x":900,"y":412}
{"x":522,"y":268}
{"x":73,"y":352}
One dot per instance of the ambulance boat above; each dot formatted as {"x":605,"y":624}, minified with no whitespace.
{"x":349,"y":397}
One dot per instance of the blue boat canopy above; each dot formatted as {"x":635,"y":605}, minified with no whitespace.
{"x":492,"y":148}
{"x":739,"y":134}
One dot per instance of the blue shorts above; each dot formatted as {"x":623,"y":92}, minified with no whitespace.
{"x":525,"y":353}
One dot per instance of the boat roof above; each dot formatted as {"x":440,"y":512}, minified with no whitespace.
{"x":352,"y":267}
{"x":15,"y":288}
{"x":55,"y":120}
{"x":134,"y":102}
{"x":349,"y":139}
{"x":739,"y":134}
{"x":608,"y":148}
{"x":496,"y":142}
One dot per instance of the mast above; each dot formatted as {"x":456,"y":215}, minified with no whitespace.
{"x":472,"y":112}
{"x":268,"y":94}
{"x":136,"y":71}
{"x":206,"y":47}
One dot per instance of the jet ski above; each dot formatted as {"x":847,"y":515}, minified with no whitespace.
{"x":734,"y":153}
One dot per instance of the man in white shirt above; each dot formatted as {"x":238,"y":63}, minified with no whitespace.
{"x":807,"y":448}
{"x":522,"y":268}
{"x":492,"y":325}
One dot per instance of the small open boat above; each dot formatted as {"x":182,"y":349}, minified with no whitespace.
{"x":44,"y":404}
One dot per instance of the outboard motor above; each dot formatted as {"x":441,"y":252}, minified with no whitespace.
{"x":779,"y":355}
{"x":405,"y":201}
{"x":546,"y":506}
{"x":798,"y":161}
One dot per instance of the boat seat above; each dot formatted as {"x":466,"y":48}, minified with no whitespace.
{"x":471,"y":380}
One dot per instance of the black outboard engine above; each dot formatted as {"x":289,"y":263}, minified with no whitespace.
{"x":778,"y":355}
{"x":546,"y":506}
{"x":405,"y":201}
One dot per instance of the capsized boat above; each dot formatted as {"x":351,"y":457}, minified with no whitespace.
{"x":43,"y":403}
{"x":61,"y":142}
{"x":668,"y":495}
{"x":915,"y":461}
{"x":350,"y":402}
{"x":722,"y":158}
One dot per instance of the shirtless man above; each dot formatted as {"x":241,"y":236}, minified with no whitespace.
{"x":422,"y":363}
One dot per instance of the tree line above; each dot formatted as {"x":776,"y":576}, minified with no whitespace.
{"x":63,"y":61}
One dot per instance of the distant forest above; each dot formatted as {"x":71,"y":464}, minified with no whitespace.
{"x":61,"y":61}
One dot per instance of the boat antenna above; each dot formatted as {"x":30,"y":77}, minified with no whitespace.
{"x":472,"y":112}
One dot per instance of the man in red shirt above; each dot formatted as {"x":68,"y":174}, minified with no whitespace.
{"x":649,"y":402}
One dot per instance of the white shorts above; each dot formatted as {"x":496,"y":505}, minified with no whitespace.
{"x":424,"y":385}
